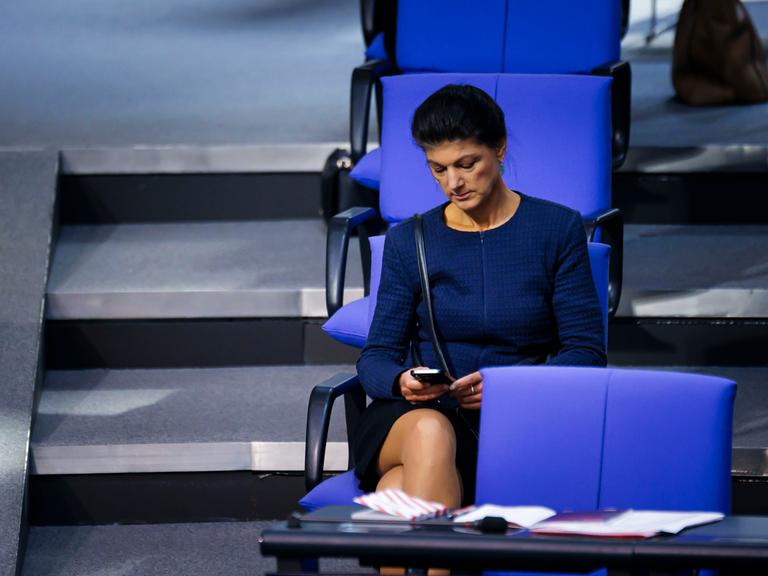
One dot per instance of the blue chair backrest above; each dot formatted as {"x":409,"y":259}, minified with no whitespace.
{"x":542,"y":36}
{"x":559,"y":143}
{"x":591,"y":438}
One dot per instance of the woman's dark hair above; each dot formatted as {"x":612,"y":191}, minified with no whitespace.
{"x":458,"y":112}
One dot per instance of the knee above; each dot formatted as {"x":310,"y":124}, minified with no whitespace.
{"x":433,"y":439}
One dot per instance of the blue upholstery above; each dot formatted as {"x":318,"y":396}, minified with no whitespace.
{"x":376,"y":50}
{"x":589,"y":438}
{"x":547,"y":36}
{"x":351,"y":322}
{"x":367,"y":171}
{"x":338,"y":490}
{"x":561,"y":36}
{"x":450,"y":36}
{"x":690,"y":417}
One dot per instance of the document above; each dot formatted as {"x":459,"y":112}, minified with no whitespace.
{"x":516,"y":516}
{"x":627,"y":524}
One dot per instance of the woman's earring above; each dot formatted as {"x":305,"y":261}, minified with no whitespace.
{"x":501,"y":168}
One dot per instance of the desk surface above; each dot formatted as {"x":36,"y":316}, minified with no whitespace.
{"x":735,"y":542}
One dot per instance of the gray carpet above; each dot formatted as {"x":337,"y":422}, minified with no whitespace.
{"x":111,"y":73}
{"x":27,"y":189}
{"x":101,"y":407}
{"x":670,"y":257}
{"x":205,"y":549}
{"x":90,"y":74}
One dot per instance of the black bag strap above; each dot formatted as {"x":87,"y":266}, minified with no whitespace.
{"x":421,"y":257}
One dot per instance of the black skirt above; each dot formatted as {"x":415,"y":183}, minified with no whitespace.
{"x":378,"y":419}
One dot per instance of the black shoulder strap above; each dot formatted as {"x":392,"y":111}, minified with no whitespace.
{"x":421,"y":257}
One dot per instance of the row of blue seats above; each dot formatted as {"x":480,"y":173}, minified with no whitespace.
{"x":571,"y":438}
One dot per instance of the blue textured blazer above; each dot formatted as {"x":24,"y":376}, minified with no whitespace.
{"x":521,"y":293}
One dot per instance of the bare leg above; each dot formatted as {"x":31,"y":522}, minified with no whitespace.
{"x":422,"y":443}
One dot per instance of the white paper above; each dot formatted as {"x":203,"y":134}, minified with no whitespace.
{"x":642,"y":523}
{"x":525,"y":516}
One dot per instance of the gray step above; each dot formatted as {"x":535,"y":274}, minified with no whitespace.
{"x":180,"y":420}
{"x":276,"y":269}
{"x":695,"y":271}
{"x":198,"y":549}
{"x":263,"y":269}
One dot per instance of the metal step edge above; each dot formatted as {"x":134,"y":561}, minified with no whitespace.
{"x":700,"y":303}
{"x":705,"y":158}
{"x":270,"y":303}
{"x":180,"y":457}
{"x":233,"y":159}
{"x":234,"y":456}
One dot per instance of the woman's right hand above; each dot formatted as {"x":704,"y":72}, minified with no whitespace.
{"x":415,"y":391}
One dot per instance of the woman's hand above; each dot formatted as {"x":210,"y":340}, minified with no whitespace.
{"x":468,"y":390}
{"x":415,"y":391}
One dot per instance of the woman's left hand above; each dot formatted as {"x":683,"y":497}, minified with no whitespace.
{"x":468,"y":390}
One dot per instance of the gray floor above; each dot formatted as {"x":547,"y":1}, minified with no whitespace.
{"x":111,"y":73}
{"x":203,"y":549}
{"x":194,"y":270}
{"x":117,"y":74}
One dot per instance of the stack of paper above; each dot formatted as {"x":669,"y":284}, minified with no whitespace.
{"x":628,"y":524}
{"x":399,"y":504}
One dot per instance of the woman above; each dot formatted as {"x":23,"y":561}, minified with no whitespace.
{"x":510,"y":282}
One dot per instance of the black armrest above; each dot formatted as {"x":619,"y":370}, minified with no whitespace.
{"x":368,"y":20}
{"x":621,"y":105}
{"x":611,"y":223}
{"x":319,"y":418}
{"x":364,"y":79}
{"x":340,"y":228}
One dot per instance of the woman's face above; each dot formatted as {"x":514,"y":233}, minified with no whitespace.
{"x":467,"y":171}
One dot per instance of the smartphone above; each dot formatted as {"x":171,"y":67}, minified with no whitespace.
{"x":430,"y":376}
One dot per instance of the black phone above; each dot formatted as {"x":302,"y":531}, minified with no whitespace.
{"x":430,"y":376}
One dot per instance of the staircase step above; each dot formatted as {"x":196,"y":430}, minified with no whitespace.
{"x":180,"y":420}
{"x":695,"y":271}
{"x":266,"y":269}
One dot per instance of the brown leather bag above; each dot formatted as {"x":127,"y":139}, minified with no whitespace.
{"x":718,"y":56}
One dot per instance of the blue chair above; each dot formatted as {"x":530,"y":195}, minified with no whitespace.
{"x":559,"y":147}
{"x":596,"y":438}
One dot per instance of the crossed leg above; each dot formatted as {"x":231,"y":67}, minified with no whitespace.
{"x":419,"y":457}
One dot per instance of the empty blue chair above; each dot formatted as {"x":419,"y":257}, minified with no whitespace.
{"x":561,"y":155}
{"x":589,"y":439}
{"x":558,"y":149}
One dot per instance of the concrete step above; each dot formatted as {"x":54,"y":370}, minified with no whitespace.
{"x":180,"y":420}
{"x":695,"y":271}
{"x":194,"y":549}
{"x":258,"y":269}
